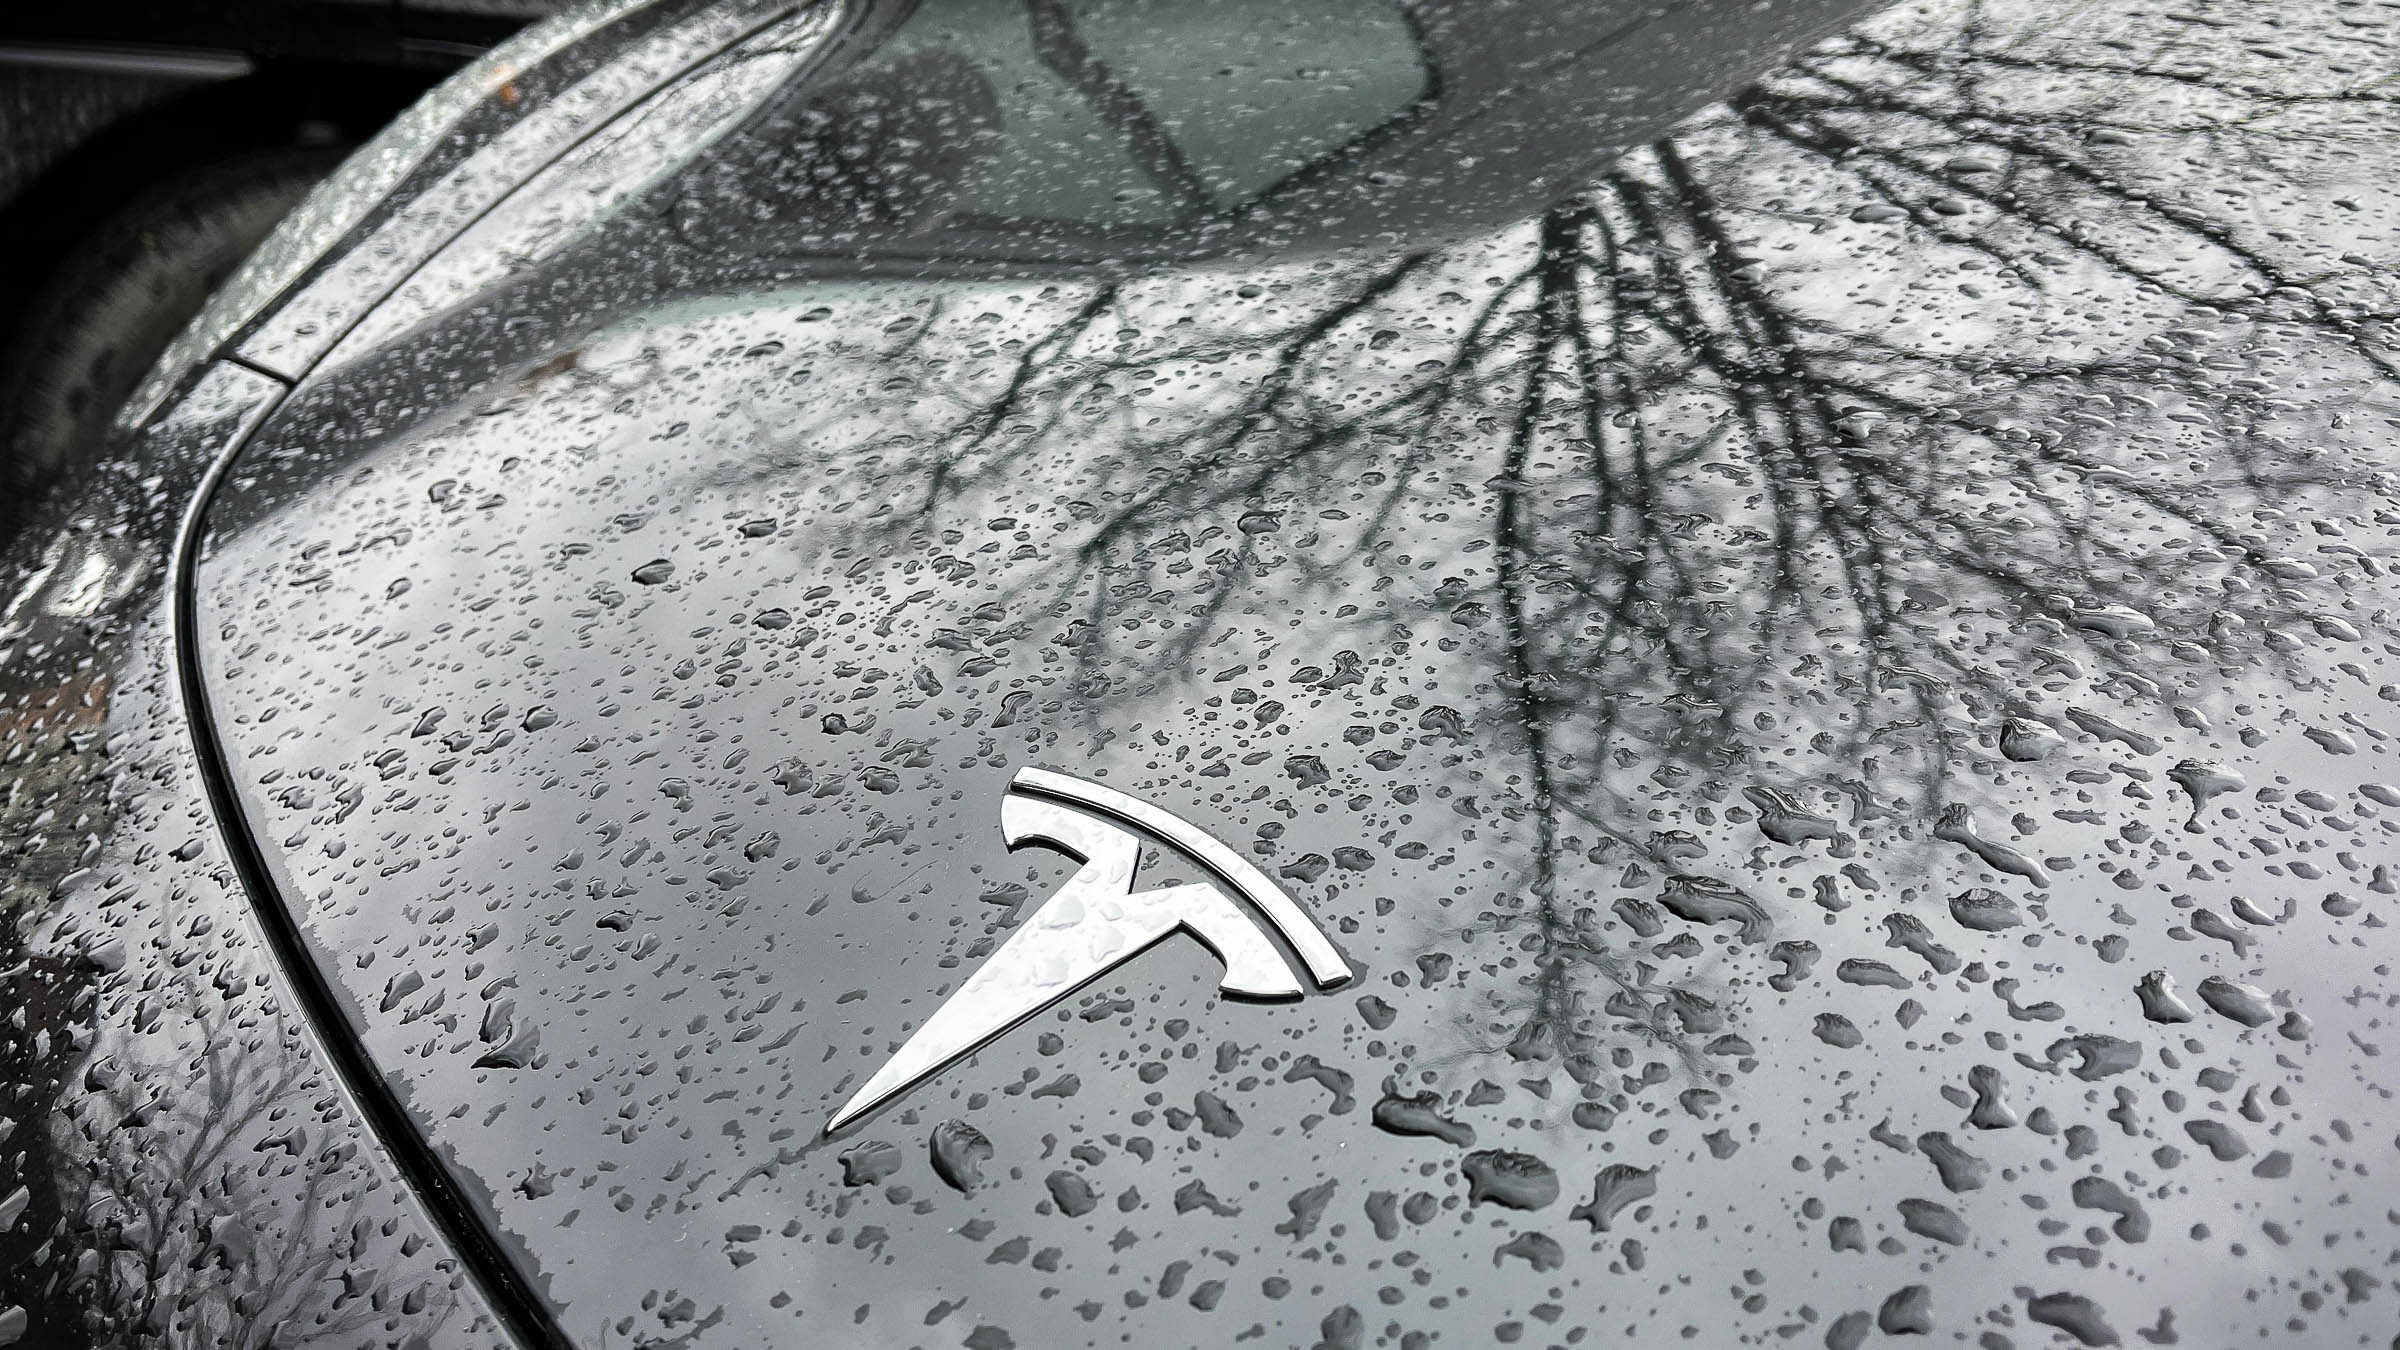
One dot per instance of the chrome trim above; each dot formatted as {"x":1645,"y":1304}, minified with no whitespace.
{"x":1097,"y":921}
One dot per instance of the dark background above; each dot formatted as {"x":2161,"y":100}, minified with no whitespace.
{"x":146,"y":146}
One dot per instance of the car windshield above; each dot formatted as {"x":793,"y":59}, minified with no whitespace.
{"x":1083,"y":130}
{"x":1070,"y":117}
{"x":1076,"y":132}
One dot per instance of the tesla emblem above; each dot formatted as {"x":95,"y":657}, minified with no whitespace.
{"x":1097,"y":921}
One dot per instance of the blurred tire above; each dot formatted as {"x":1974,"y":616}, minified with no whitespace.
{"x":91,"y":331}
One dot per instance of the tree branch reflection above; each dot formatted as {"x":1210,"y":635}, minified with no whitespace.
{"x":1723,"y":492}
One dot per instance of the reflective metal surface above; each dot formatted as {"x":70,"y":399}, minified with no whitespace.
{"x":1098,"y":921}
{"x":1831,"y":676}
{"x":178,"y":1165}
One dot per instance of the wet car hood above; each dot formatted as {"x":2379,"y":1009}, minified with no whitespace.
{"x":1833,"y":687}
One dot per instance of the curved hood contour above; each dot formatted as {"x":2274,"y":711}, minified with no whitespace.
{"x":1829,"y":684}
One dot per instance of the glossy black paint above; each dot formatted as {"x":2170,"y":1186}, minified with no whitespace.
{"x":426,"y":1176}
{"x":182,"y":1163}
{"x":1833,"y":675}
{"x":183,"y":1168}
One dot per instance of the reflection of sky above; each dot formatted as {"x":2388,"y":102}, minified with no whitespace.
{"x":717,"y":1025}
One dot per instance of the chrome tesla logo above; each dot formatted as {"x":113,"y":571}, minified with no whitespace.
{"x":1097,"y":922}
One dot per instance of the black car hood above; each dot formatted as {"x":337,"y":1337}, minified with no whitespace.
{"x":1833,"y":688}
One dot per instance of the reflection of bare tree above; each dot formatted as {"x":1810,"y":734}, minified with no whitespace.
{"x":50,"y":1000}
{"x":202,"y":1213}
{"x":172,"y":1184}
{"x":214,"y":1209}
{"x":1729,"y":503}
{"x":55,"y":804}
